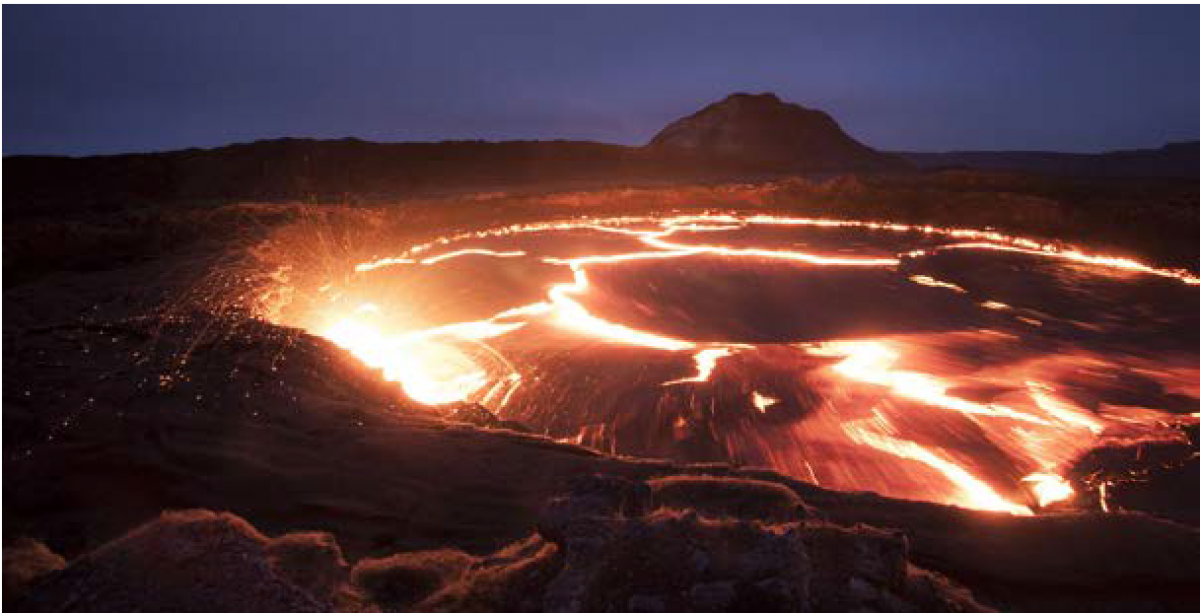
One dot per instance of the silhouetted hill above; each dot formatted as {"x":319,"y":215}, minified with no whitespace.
{"x":1171,"y":160}
{"x":740,"y":137}
{"x":765,"y":129}
{"x":299,"y":169}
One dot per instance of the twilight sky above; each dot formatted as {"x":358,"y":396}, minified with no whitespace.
{"x":91,"y":79}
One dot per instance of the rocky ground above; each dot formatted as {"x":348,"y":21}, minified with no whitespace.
{"x":684,"y":542}
{"x":609,"y":544}
{"x":165,"y":451}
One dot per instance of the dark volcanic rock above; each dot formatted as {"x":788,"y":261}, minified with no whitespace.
{"x":603,"y":555}
{"x":741,"y":498}
{"x":597,"y":549}
{"x":311,"y":560}
{"x":603,"y":547}
{"x":592,"y":495}
{"x":26,"y":561}
{"x":193,"y":561}
{"x":749,"y":128}
{"x":764,"y":129}
{"x":407,"y":578}
{"x":477,"y":415}
{"x":1171,"y":160}
{"x":681,"y":561}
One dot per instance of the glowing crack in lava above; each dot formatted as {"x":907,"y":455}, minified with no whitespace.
{"x":953,"y":365}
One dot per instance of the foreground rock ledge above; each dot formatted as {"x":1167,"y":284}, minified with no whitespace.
{"x":610,"y":544}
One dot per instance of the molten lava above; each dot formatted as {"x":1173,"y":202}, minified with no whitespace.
{"x":954,"y":365}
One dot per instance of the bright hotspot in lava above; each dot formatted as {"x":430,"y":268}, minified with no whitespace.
{"x":957,"y":366}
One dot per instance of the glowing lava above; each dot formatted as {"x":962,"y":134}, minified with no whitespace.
{"x":706,"y":363}
{"x":1049,"y":488}
{"x":973,"y":492}
{"x":871,"y":362}
{"x":433,"y":366}
{"x":950,"y":402}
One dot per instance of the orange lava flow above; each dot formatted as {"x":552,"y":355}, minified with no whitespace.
{"x":457,"y":362}
{"x":871,"y":362}
{"x":973,"y":491}
{"x":706,"y":363}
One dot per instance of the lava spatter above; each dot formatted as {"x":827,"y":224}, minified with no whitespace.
{"x":900,"y":372}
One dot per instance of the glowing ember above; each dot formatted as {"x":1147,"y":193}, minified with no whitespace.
{"x":761,"y":402}
{"x":878,"y":377}
{"x":1049,"y":488}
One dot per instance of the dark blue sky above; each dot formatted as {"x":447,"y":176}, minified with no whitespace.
{"x":81,"y":80}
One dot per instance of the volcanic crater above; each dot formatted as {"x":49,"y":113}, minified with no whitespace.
{"x":957,"y":366}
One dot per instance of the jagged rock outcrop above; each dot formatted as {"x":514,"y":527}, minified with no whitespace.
{"x":602,"y":547}
{"x":189,"y":561}
{"x":613,"y":543}
{"x":762,"y":130}
{"x":608,"y":546}
{"x":479,"y":416}
{"x":729,"y":497}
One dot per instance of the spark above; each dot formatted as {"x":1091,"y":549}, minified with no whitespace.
{"x":931,"y":282}
{"x":761,"y":403}
{"x":811,"y":473}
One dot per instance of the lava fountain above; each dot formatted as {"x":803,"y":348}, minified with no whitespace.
{"x":958,"y":366}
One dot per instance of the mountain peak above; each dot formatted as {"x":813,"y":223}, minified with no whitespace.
{"x":743,"y":97}
{"x":764,"y":129}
